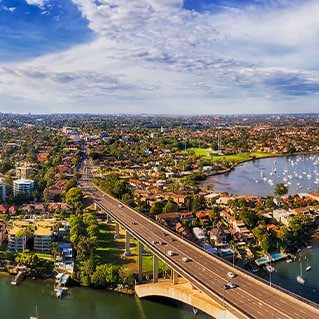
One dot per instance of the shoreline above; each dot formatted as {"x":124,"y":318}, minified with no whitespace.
{"x":228,"y":170}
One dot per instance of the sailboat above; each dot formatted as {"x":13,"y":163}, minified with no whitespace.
{"x":36,"y":314}
{"x":308,"y":267}
{"x":300,"y":280}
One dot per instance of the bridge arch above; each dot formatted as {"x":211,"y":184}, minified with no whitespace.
{"x":184,"y":293}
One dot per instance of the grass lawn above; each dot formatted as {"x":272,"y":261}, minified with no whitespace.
{"x":239,"y":157}
{"x":111,"y":251}
{"x":201,"y":151}
{"x":209,"y":153}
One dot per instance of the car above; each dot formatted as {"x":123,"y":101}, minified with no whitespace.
{"x":154,"y":242}
{"x":134,"y":223}
{"x":186,"y":259}
{"x":161,"y":243}
{"x":120,"y":205}
{"x":229,"y":285}
{"x":231,"y":274}
{"x":171,"y":253}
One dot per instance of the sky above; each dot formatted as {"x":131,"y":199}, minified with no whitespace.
{"x":159,"y":56}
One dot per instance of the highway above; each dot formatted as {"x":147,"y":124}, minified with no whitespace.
{"x":251,"y":299}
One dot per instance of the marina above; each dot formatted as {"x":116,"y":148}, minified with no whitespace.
{"x":300,"y":173}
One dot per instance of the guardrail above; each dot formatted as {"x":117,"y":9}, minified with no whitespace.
{"x":274,"y":286}
{"x":203,"y":286}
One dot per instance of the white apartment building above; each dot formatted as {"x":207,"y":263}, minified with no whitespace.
{"x":23,"y":186}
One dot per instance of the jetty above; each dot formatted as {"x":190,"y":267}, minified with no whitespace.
{"x":18,"y":278}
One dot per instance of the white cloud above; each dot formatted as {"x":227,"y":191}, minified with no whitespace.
{"x":159,"y":54}
{"x":39,"y":3}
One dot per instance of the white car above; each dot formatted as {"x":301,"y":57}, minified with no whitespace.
{"x":120,"y":205}
{"x":186,"y":259}
{"x":230,"y":285}
{"x":231,"y":274}
{"x":171,"y":253}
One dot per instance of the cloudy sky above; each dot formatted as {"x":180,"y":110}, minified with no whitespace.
{"x":159,"y":56}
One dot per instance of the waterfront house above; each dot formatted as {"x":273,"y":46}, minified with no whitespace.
{"x":282,"y":216}
{"x":17,"y":240}
{"x":43,"y":239}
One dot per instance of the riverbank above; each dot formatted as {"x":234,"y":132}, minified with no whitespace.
{"x":244,"y":178}
{"x":228,"y":170}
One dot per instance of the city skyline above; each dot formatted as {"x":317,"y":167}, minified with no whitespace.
{"x":172,"y":57}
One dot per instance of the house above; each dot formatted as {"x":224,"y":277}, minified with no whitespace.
{"x":218,"y":235}
{"x":13,"y":209}
{"x":39,"y":208}
{"x":169,"y":219}
{"x":182,"y":230}
{"x":199,"y":234}
{"x":282,"y":216}
{"x":3,"y":208}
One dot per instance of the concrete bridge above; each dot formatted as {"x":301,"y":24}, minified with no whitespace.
{"x":199,"y":281}
{"x":184,"y":292}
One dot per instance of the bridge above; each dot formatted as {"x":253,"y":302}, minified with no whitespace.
{"x":198,"y":281}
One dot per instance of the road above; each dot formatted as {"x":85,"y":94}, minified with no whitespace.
{"x":253,"y":298}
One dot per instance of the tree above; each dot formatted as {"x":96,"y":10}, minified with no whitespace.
{"x":195,"y":204}
{"x":170,"y":207}
{"x":249,"y":218}
{"x":75,"y":197}
{"x":157,"y":208}
{"x":299,"y":227}
{"x":281,"y":189}
{"x":105,"y":275}
{"x":128,"y":199}
{"x":46,"y":195}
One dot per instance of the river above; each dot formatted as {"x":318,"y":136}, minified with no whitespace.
{"x":19,"y":302}
{"x":286,"y":274}
{"x":259,"y":177}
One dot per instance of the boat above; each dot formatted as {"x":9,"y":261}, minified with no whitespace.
{"x":289,"y":261}
{"x":270,"y":268}
{"x":309,"y":247}
{"x":299,"y":278}
{"x":308,"y":268}
{"x":60,"y":291}
{"x":36,"y":314}
{"x":195,"y":310}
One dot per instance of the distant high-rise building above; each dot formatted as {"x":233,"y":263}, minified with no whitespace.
{"x":23,"y":186}
{"x":24,"y":171}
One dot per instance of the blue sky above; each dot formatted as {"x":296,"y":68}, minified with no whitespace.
{"x":150,"y":56}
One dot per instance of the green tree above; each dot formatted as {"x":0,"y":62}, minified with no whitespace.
{"x":75,"y":197}
{"x":281,"y":189}
{"x":300,"y":227}
{"x":105,"y":275}
{"x":170,"y":206}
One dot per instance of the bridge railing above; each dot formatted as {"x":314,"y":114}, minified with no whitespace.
{"x":239,"y":268}
{"x":262,"y":280}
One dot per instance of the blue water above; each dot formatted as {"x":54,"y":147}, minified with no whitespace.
{"x":286,"y":273}
{"x":300,"y":173}
{"x":277,"y":256}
